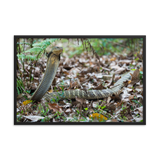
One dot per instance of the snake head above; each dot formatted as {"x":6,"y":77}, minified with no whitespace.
{"x":54,"y":50}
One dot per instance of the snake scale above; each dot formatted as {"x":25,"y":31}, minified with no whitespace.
{"x":52,"y":65}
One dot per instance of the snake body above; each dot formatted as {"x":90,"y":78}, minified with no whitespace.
{"x":52,"y":65}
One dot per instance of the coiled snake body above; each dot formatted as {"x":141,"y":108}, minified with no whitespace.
{"x":52,"y":65}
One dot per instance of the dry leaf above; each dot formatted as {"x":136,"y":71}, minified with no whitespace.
{"x":131,"y":97}
{"x":116,"y":97}
{"x":111,"y":106}
{"x":33,"y":118}
{"x":74,"y":72}
{"x":99,"y":117}
{"x":114,"y":120}
{"x":27,"y":102}
{"x":95,"y":104}
{"x":68,"y":110}
{"x":117,"y":78}
{"x":125,"y":61}
{"x":120,"y":70}
{"x":119,"y":104}
{"x":141,"y":69}
{"x":66,"y":73}
{"x":126,"y":83}
{"x":100,"y":87}
{"x":75,"y":84}
{"x":129,"y":116}
{"x":135,"y":76}
{"x":113,"y":59}
{"x":87,"y":70}
{"x":113,"y":65}
{"x":50,"y":91}
{"x":108,"y":99}
{"x":125,"y":95}
{"x":54,"y":106}
{"x":80,"y":100}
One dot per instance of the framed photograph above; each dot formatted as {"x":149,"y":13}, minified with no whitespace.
{"x":82,"y":80}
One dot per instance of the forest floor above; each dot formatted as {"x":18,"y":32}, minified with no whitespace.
{"x":84,"y":72}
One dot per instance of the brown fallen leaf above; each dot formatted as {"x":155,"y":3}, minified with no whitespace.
{"x":61,"y":102}
{"x":66,"y":73}
{"x":75,"y":83}
{"x":141,"y":69}
{"x":117,"y":78}
{"x":74,"y":71}
{"x":68,"y":110}
{"x":111,"y":106}
{"x":66,"y":66}
{"x":100,"y":87}
{"x":126,"y":83}
{"x":120,"y":70}
{"x":122,"y":56}
{"x":131,"y":54}
{"x":81,"y":78}
{"x":119,"y":104}
{"x":90,"y":63}
{"x":129,"y":116}
{"x":113,"y":65}
{"x":86,"y":70}
{"x":135,"y":76}
{"x":54,"y":106}
{"x":125,"y":61}
{"x":105,"y":69}
{"x":125,"y":95}
{"x":131,"y":97}
{"x":111,"y":81}
{"x":116,"y":97}
{"x":114,"y":120}
{"x":80,"y":100}
{"x":109,"y":99}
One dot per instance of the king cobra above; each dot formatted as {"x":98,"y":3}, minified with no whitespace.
{"x":52,"y":65}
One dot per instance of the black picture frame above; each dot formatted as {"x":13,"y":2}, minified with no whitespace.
{"x":144,"y":35}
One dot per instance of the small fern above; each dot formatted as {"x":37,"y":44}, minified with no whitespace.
{"x":28,"y":57}
{"x":35,"y":50}
{"x":41,"y":46}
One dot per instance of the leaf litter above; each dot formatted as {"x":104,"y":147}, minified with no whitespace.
{"x":84,"y":72}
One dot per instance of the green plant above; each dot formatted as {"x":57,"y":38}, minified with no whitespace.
{"x":20,"y":86}
{"x":58,"y":115}
{"x":45,"y":119}
{"x":19,"y":118}
{"x":132,"y":108}
{"x":123,"y":108}
{"x":41,"y":46}
{"x":43,"y":111}
{"x":138,"y":115}
{"x":141,"y":75}
{"x":103,"y":107}
{"x":125,"y":118}
{"x":60,"y":94}
{"x":77,"y":110}
{"x":135,"y":101}
{"x":136,"y":59}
